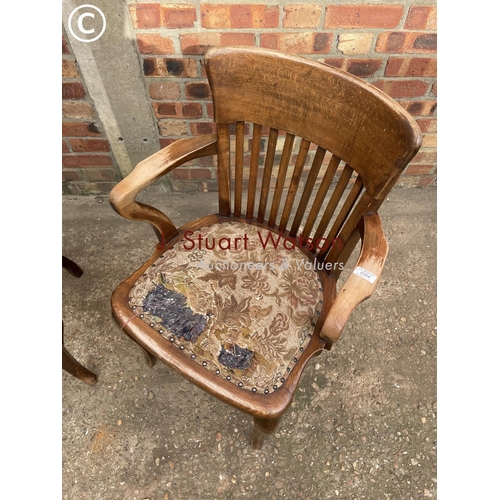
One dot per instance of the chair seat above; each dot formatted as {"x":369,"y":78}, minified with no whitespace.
{"x":238,"y":299}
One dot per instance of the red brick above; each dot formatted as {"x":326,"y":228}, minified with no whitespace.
{"x":215,"y":16}
{"x":426,"y":181}
{"x":192,"y":110}
{"x":65,"y":147}
{"x":363,"y":16}
{"x":69,"y":69}
{"x":406,"y":42}
{"x":358,"y":67}
{"x":421,"y":18}
{"x":302,"y":16}
{"x":419,"y":108}
{"x":79,"y":129}
{"x":298,"y":43}
{"x":72,"y":90}
{"x":154,"y":44}
{"x":425,"y":156}
{"x":198,"y":44}
{"x":253,"y":16}
{"x":191,"y":173}
{"x":427,"y":125}
{"x":86,"y":160}
{"x":210,"y":110}
{"x":70,"y":175}
{"x":164,"y":90}
{"x":415,"y":66}
{"x":166,"y":109}
{"x":232,"y":38}
{"x":434,"y":89}
{"x":77,"y":109}
{"x":239,"y":16}
{"x":417,"y":169}
{"x":178,"y":16}
{"x":199,"y":128}
{"x":145,"y":15}
{"x":89,"y":145}
{"x":98,"y":174}
{"x":199,"y":90}
{"x":402,"y":88}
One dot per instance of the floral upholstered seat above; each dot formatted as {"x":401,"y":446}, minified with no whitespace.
{"x":238,"y":299}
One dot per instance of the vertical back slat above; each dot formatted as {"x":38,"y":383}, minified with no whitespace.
{"x":254,"y":164}
{"x":238,"y":175}
{"x":334,"y":201}
{"x":311,"y":179}
{"x":320,"y":197}
{"x":280,"y":181}
{"x":294,"y":183}
{"x":364,"y":205}
{"x":268,"y":168}
{"x":342,"y":216}
{"x":224,"y":174}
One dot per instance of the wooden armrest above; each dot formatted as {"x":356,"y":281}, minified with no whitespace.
{"x":159,"y":164}
{"x":362,"y":281}
{"x":122,"y":196}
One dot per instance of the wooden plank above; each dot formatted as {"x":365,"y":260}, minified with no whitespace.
{"x":268,"y":169}
{"x":280,"y":181}
{"x":238,"y":175}
{"x":320,"y":196}
{"x":254,"y":164}
{"x":308,"y":189}
{"x":294,"y":183}
{"x":223,"y":170}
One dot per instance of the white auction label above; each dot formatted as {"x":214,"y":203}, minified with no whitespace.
{"x":365,"y":274}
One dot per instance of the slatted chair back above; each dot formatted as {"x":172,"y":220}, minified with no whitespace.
{"x":340,"y":123}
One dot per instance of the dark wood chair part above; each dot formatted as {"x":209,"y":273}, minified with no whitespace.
{"x":304,"y":151}
{"x":69,"y":363}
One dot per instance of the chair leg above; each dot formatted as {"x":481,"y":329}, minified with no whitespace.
{"x":73,"y":367}
{"x":72,"y":267}
{"x":263,"y":427}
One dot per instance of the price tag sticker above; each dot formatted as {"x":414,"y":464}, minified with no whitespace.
{"x":365,"y":274}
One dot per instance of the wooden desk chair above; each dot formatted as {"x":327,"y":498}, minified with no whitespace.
{"x":201,"y":303}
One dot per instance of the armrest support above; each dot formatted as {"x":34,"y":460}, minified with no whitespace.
{"x":358,"y":288}
{"x":122,"y":196}
{"x":159,"y":164}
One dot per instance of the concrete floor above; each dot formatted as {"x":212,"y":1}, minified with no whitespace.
{"x":363,"y":422}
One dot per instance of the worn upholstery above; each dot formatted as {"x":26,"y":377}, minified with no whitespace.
{"x":233,"y":302}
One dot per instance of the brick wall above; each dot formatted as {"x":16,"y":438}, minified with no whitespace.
{"x":389,"y":44}
{"x":88,"y":165}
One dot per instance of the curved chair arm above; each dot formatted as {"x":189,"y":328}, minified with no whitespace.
{"x":122,"y":196}
{"x":362,"y":281}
